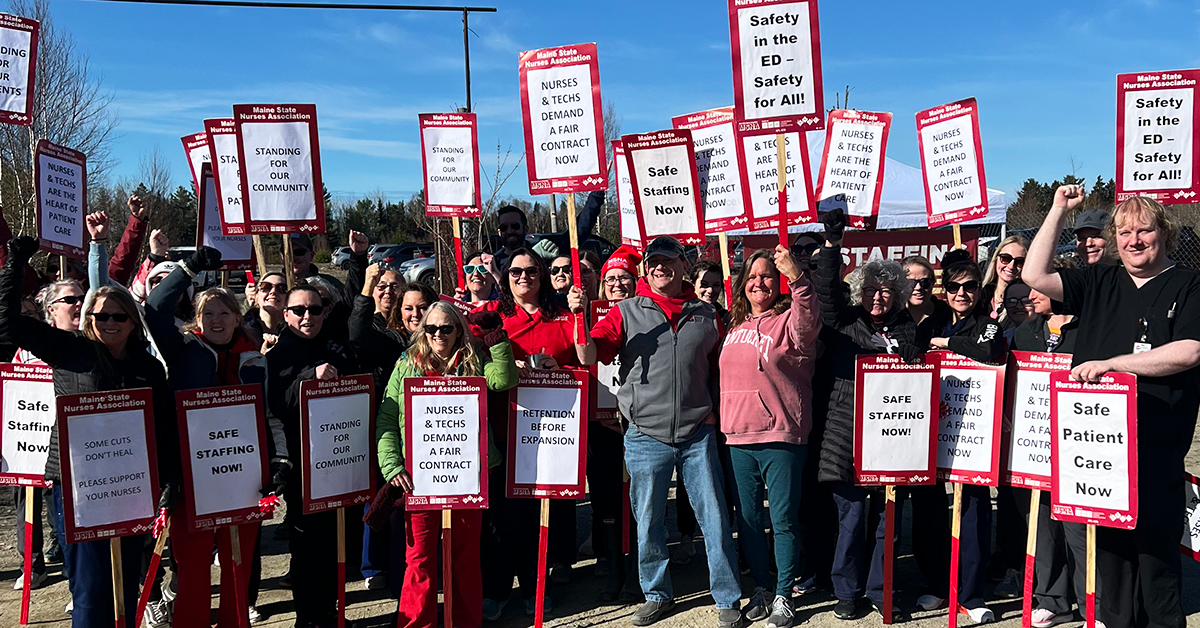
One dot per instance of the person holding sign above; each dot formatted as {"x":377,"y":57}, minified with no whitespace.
{"x":211,"y":350}
{"x":1141,"y":317}
{"x":670,"y":408}
{"x":766,"y":414}
{"x":442,"y":347}
{"x":306,"y":350}
{"x":872,"y":320}
{"x":109,"y":353}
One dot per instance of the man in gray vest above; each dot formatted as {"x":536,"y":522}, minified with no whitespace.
{"x":668,"y":341}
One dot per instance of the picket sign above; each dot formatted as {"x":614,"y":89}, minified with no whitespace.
{"x":952,"y":163}
{"x":1157,"y":126}
{"x":237,"y":252}
{"x":280,"y":168}
{"x":60,"y":180}
{"x":227,"y":172}
{"x":762,"y":180}
{"x":605,"y":378}
{"x":1190,"y":546}
{"x":1094,"y":459}
{"x":631,"y":229}
{"x":195,"y":148}
{"x":717,"y":167}
{"x":851,"y":174}
{"x":450,"y":163}
{"x":666,"y":189}
{"x":19,"y":43}
{"x":445,"y":442}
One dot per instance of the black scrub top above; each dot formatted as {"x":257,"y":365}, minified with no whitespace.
{"x":1114,"y":314}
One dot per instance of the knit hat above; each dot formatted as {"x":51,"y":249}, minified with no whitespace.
{"x":625,"y":258}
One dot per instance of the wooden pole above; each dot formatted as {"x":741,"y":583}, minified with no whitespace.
{"x":118,"y":577}
{"x":723,"y":239}
{"x":456,"y":225}
{"x":955,"y":529}
{"x":447,"y":568}
{"x":225,"y":279}
{"x":957,"y":235}
{"x":27,"y":568}
{"x":543,"y":539}
{"x":1091,"y":577}
{"x":148,"y":585}
{"x":553,"y":214}
{"x":235,"y":549}
{"x":259,"y":257}
{"x":889,"y":549}
{"x":573,"y":233}
{"x":62,"y":268}
{"x":288,"y":258}
{"x":341,"y":567}
{"x":1035,"y":503}
{"x":781,"y":181}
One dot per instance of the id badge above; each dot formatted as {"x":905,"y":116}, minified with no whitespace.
{"x":1141,"y":347}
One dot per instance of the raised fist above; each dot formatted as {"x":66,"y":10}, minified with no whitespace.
{"x":205,"y":258}
{"x":22,"y":248}
{"x":835,"y":223}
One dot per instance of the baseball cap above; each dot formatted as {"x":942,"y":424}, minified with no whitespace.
{"x":1091,"y":219}
{"x":666,"y":246}
{"x":302,"y":240}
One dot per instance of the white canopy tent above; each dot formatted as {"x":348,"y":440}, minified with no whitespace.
{"x":902,"y":205}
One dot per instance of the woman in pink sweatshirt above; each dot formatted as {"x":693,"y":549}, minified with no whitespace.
{"x":766,"y":407}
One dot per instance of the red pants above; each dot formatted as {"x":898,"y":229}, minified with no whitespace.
{"x":418,"y":597}
{"x":193,"y":558}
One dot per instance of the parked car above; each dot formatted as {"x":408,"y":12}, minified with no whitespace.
{"x":340,"y":256}
{"x":421,"y":269}
{"x":400,"y":253}
{"x":376,"y":247}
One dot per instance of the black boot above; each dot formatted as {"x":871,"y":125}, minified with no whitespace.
{"x":616,"y":561}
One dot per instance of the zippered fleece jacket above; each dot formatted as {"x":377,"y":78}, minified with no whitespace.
{"x":767,"y":370}
{"x":668,"y":348}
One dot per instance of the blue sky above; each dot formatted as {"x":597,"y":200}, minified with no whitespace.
{"x":1043,"y":72}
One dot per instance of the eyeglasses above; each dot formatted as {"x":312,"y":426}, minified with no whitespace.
{"x":270,"y":286}
{"x":517,"y":271}
{"x":1018,"y":301}
{"x":509,"y":227}
{"x":558,"y":270}
{"x":445,"y":330}
{"x":925,"y":283}
{"x":612,"y":281}
{"x":313,"y":310}
{"x":870,"y":292}
{"x":1008,"y":259}
{"x":70,"y":299}
{"x":475,"y":269}
{"x":952,"y":287}
{"x":104,"y":317}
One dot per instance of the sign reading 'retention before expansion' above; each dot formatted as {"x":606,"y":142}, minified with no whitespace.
{"x":1156,"y":136}
{"x":18,"y":67}
{"x":716,"y":167}
{"x":776,"y":49}
{"x":952,"y":163}
{"x":280,"y":168}
{"x":450,"y":161}
{"x":561,"y":111}
{"x":60,"y":176}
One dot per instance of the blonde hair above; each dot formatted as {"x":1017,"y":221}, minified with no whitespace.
{"x":221,"y":296}
{"x":467,"y":351}
{"x":1152,"y":211}
{"x":989,"y":277}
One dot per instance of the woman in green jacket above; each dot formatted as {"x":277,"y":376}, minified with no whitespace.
{"x":443,"y":346}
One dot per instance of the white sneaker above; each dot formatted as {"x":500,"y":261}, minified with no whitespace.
{"x":70,"y":607}
{"x":684,"y":552}
{"x":37,"y":579}
{"x":981,"y":615}
{"x":1044,"y":618}
{"x":376,"y":582}
{"x":255,"y":616}
{"x":931,"y":602}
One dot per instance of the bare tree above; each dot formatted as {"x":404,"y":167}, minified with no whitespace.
{"x":69,"y":109}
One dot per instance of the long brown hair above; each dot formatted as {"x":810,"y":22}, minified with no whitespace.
{"x":740,"y":310}
{"x":396,"y":317}
{"x":137,"y":336}
{"x":466,"y":348}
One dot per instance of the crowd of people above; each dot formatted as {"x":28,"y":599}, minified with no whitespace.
{"x":747,"y":407}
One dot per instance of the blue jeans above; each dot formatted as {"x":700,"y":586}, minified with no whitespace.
{"x":91,"y":577}
{"x":650,"y":465}
{"x":775,"y":468}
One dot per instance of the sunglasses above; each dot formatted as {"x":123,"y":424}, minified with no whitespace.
{"x":509,"y":227}
{"x":925,"y":283}
{"x":104,"y":317}
{"x":299,"y":310}
{"x":870,"y":292}
{"x":1015,"y":301}
{"x":475,"y":269}
{"x":268,"y":286}
{"x":445,"y":330}
{"x":69,"y":300}
{"x":1008,"y":259}
{"x":558,"y":270}
{"x":952,"y":287}
{"x":388,"y":287}
{"x":517,"y":271}
{"x":299,"y":252}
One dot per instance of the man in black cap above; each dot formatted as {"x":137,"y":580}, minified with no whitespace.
{"x":302,"y":261}
{"x":513,"y":226}
{"x":1089,"y":236}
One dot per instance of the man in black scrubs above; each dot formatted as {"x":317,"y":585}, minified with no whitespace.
{"x":1142,"y":317}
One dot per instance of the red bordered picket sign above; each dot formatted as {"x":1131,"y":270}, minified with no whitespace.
{"x":952,"y":163}
{"x":776,"y":46}
{"x":1094,"y":450}
{"x":280,"y":159}
{"x":195,"y":147}
{"x":631,"y":229}
{"x":26,"y":417}
{"x":971,"y":406}
{"x":1025,"y":449}
{"x":222,"y":435}
{"x":445,"y":442}
{"x":60,"y":179}
{"x":759,"y":179}
{"x":1158,"y":122}
{"x":605,"y":380}
{"x":237,"y":252}
{"x":562,"y":115}
{"x":547,"y":435}
{"x":717,"y":167}
{"x":894,"y":424}
{"x":223,"y":150}
{"x":1190,"y":545}
{"x":464,"y":308}
{"x":662,"y":171}
{"x":109,"y":466}
{"x":337,"y":442}
{"x":18,"y":36}
{"x":450,"y":163}
{"x":851,"y":175}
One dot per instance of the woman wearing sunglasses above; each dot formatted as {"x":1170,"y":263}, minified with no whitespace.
{"x":872,"y":320}
{"x":306,"y":350}
{"x":1003,"y":270}
{"x":481,"y":280}
{"x":442,"y":347}
{"x":265,"y":319}
{"x":110,"y":352}
{"x":211,"y":350}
